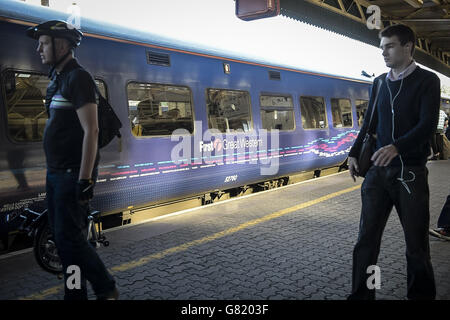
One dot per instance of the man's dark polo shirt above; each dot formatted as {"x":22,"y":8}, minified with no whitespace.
{"x":63,"y":135}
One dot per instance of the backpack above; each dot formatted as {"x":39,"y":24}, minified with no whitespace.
{"x":108,"y":122}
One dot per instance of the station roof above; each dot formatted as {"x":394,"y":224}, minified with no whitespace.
{"x":430,"y":19}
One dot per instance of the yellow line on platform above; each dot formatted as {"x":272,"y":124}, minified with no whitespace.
{"x":144,"y":260}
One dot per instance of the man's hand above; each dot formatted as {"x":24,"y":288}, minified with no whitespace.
{"x":85,"y":190}
{"x":383,"y":156}
{"x":353,"y":167}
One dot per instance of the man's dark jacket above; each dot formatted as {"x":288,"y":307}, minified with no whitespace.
{"x":416,"y":114}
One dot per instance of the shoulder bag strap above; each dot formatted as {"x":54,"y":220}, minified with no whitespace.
{"x":379,"y":84}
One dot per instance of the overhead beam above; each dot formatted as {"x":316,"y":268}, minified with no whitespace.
{"x":433,"y":9}
{"x":341,"y":4}
{"x":366,"y":3}
{"x":337,"y":10}
{"x":415,"y":3}
{"x":361,"y":12}
{"x":438,"y":34}
{"x":423,"y":20}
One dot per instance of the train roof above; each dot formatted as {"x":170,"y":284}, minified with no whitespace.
{"x":18,"y":10}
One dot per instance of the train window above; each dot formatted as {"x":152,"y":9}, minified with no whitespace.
{"x":361,"y":108}
{"x":313,"y":113}
{"x":341,"y":111}
{"x":228,"y":110}
{"x":25,"y":96}
{"x":277,"y":112}
{"x":158,"y":109}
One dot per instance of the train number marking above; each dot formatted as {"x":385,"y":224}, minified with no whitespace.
{"x":231,"y":178}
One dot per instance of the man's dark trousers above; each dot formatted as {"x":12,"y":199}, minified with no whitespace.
{"x":68,"y":223}
{"x":381,"y":191}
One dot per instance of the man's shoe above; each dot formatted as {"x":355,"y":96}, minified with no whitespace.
{"x":112,"y":295}
{"x":440,"y":233}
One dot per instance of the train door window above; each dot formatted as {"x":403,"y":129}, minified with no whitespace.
{"x":361,"y":108}
{"x":313,"y":113}
{"x":228,"y":110}
{"x":341,"y":112}
{"x":277,"y":112}
{"x":159,"y":109}
{"x":25,"y":108}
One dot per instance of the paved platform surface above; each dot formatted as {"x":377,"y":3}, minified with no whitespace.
{"x":293,"y":243}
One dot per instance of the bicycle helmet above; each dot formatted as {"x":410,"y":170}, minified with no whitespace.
{"x":56,"y":29}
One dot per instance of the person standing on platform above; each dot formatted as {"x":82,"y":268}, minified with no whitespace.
{"x":70,"y":145}
{"x":447,"y":129}
{"x":445,"y":141}
{"x":405,"y":119}
{"x":439,"y":136}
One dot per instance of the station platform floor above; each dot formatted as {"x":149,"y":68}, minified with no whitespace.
{"x":290,"y":243}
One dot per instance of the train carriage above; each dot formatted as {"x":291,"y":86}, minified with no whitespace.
{"x":196,"y":120}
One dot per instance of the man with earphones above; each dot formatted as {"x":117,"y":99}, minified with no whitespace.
{"x":405,"y":118}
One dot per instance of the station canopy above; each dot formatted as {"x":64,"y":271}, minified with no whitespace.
{"x":430,"y":19}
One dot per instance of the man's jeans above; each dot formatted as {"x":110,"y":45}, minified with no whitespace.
{"x":381,"y":191}
{"x":68,"y":224}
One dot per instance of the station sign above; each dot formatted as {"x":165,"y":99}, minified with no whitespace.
{"x":257,"y":9}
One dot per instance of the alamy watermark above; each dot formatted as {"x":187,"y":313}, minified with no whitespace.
{"x":374,"y":280}
{"x":374,"y":21}
{"x":74,"y":20}
{"x":237,"y":147}
{"x":73,"y":281}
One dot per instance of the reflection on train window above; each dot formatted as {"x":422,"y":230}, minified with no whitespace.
{"x":313,"y":113}
{"x":157,"y":109}
{"x":102,"y":88}
{"x":341,"y":111}
{"x":228,"y":110}
{"x":25,"y":96}
{"x":361,"y":108}
{"x":277,"y":112}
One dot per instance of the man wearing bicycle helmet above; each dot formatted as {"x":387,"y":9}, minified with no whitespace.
{"x":70,"y":145}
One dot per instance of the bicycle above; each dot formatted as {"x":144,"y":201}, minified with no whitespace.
{"x":36,"y":225}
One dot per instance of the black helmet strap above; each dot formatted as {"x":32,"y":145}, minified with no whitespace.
{"x":50,"y":74}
